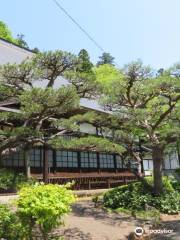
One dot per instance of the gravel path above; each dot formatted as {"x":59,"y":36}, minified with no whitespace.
{"x":89,"y":223}
{"x":8,"y":198}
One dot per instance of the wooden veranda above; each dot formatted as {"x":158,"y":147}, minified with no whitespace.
{"x":91,"y":180}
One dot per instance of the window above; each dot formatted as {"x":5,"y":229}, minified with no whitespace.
{"x":119,"y":162}
{"x":14,"y":160}
{"x":148,"y":164}
{"x":106,"y":161}
{"x":173,"y":157}
{"x":92,"y":160}
{"x":7,"y":161}
{"x":151,"y":164}
{"x":84,"y":160}
{"x":66,"y":159}
{"x":167,"y":162}
{"x":35,"y":157}
{"x":50,"y":157}
{"x":18,"y":159}
{"x":88,"y":160}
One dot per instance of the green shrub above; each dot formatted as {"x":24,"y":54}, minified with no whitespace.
{"x":130,"y":196}
{"x":7,"y":179}
{"x":117,"y":198}
{"x":12,"y":181}
{"x":177,"y":171}
{"x":167,"y":184}
{"x":43,"y":206}
{"x":10,"y":226}
{"x":123,"y":210}
{"x":23,"y":181}
{"x":176,"y":185}
{"x":137,"y":197}
{"x":168,"y":203}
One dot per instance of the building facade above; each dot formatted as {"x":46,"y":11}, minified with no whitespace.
{"x":87,"y":167}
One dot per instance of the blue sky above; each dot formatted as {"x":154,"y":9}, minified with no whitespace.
{"x":128,"y":29}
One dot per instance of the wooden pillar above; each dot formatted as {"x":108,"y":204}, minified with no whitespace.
{"x":27,"y":163}
{"x":54,"y":161}
{"x":178,"y":150}
{"x":115,"y":163}
{"x":141,"y":167}
{"x":1,"y":164}
{"x":79,"y":160}
{"x":45,"y":164}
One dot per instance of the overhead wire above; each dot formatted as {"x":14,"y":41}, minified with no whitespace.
{"x":61,"y":8}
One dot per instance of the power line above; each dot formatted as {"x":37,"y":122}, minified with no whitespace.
{"x":78,"y":25}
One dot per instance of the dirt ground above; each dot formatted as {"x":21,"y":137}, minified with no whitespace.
{"x":89,"y":223}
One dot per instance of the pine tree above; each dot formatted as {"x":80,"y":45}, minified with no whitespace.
{"x":147,"y":107}
{"x":85,"y":64}
{"x":106,"y":58}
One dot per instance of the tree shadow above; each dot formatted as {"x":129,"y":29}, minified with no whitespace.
{"x":87,"y":209}
{"x":72,"y":233}
{"x":169,"y":225}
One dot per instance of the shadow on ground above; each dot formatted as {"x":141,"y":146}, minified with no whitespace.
{"x":73,"y":234}
{"x":169,"y":225}
{"x":87,"y":209}
{"x":89,"y":223}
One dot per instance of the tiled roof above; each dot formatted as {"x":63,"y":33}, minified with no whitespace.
{"x":12,"y":53}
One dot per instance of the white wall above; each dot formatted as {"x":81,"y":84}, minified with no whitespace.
{"x":171,"y":161}
{"x":87,"y":128}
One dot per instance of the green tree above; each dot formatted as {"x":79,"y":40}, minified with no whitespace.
{"x":106,"y":58}
{"x":40,"y":109}
{"x":35,"y":50}
{"x":85,"y":64}
{"x":26,"y":125}
{"x":148,"y":107}
{"x":82,"y":76}
{"x":5,"y":32}
{"x":20,"y":41}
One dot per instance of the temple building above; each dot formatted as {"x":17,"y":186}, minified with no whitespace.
{"x":87,"y":169}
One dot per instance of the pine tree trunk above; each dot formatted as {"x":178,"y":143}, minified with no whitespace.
{"x":157,"y":155}
{"x":27,"y":164}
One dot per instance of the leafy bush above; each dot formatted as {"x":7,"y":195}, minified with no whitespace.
{"x":7,"y":179}
{"x":10,"y":227}
{"x":176,"y":185}
{"x":136,"y":197}
{"x":177,"y":171}
{"x":128,"y":196}
{"x":167,"y":183}
{"x":168,"y":203}
{"x":12,"y":181}
{"x":43,"y":206}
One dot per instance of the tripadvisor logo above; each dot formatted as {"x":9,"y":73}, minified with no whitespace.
{"x":139,"y":231}
{"x":161,"y":231}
